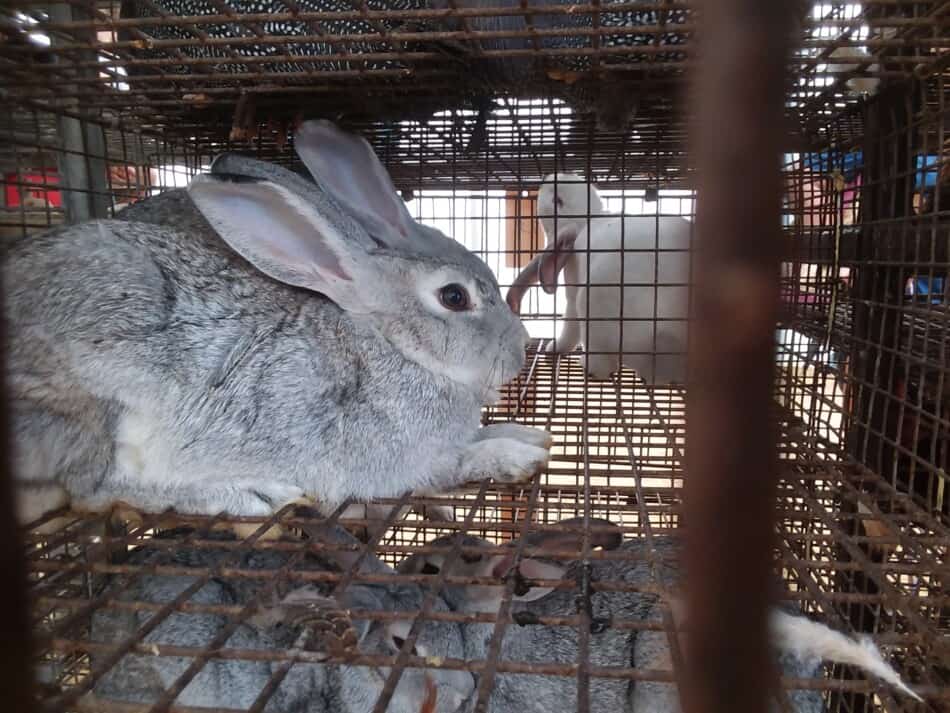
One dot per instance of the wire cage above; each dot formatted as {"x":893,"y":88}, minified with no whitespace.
{"x":471,"y":107}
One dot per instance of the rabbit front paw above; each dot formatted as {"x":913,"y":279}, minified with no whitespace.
{"x":599,"y":367}
{"x":307,"y":621}
{"x":518,"y":432}
{"x":505,"y":460}
{"x":256,"y":499}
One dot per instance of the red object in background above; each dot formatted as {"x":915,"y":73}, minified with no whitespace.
{"x":127,"y":183}
{"x":42,"y":196}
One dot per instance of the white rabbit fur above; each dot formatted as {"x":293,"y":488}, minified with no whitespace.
{"x":151,"y":363}
{"x":574,"y":219}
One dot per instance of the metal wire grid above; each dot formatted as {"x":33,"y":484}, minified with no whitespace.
{"x":186,"y":71}
{"x":77,"y":569}
{"x":855,"y":547}
{"x":868,"y":295}
{"x":623,"y":444}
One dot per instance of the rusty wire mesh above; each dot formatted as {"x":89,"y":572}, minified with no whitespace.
{"x":628,"y":452}
{"x":862,"y":403}
{"x":181,"y":67}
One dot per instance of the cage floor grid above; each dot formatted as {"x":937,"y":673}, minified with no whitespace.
{"x":851,"y":550}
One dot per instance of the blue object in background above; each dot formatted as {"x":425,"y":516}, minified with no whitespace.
{"x":922,"y":286}
{"x":927,"y":170}
{"x":850,"y":163}
{"x":825,"y":162}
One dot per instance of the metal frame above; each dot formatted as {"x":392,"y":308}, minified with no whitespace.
{"x":859,"y":404}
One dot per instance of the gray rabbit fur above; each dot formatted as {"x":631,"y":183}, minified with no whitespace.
{"x":263,"y":338}
{"x":801,"y":645}
{"x":232,"y":683}
{"x":545,"y":644}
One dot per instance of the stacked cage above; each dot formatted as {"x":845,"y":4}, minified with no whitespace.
{"x":476,"y":110}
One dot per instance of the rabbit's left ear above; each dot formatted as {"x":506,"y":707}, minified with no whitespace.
{"x":554,"y":257}
{"x":346,"y":167}
{"x":488,"y":598}
{"x":286,"y":237}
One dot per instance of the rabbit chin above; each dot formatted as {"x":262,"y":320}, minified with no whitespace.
{"x":475,"y":379}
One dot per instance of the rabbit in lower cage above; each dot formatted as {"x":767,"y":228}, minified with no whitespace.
{"x":301,"y":618}
{"x":801,"y":644}
{"x":633,"y":302}
{"x":309,"y":339}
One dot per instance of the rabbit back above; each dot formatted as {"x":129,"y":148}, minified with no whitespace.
{"x":651,"y":306}
{"x":115,"y":345}
{"x":138,"y":678}
{"x":609,"y":646}
{"x":134,"y":344}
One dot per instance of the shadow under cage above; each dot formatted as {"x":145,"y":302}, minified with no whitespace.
{"x":498,"y":128}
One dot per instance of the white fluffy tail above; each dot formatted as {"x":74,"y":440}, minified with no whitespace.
{"x":805,"y":638}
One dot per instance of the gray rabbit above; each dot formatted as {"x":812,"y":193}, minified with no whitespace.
{"x":308,"y":687}
{"x":272,"y":338}
{"x":801,"y":644}
{"x":536,"y":644}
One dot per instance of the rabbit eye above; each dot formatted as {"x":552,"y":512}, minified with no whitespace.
{"x":454,"y":297}
{"x":560,"y":202}
{"x":399,"y":641}
{"x":429,"y":568}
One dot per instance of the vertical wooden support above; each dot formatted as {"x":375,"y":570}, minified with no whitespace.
{"x":730,"y":451}
{"x":16,"y":655}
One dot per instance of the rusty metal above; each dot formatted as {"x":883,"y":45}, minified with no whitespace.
{"x":861,"y":530}
{"x":730,"y":450}
{"x":812,"y":511}
{"x":914,"y":49}
{"x":16,"y":675}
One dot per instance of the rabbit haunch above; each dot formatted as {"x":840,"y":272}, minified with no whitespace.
{"x":257,"y":338}
{"x":628,"y":295}
{"x":800,"y":644}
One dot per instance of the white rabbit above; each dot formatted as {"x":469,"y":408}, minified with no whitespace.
{"x":856,"y":85}
{"x":629,"y":294}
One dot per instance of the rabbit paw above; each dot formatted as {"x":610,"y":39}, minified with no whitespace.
{"x":259,"y":499}
{"x":518,"y":461}
{"x":505,"y":460}
{"x":598,"y":367}
{"x":307,"y":621}
{"x":560,"y":346}
{"x":518,"y":432}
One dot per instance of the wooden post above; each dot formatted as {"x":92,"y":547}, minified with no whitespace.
{"x":730,"y":450}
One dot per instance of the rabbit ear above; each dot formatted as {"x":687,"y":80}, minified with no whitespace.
{"x":531,"y":569}
{"x":282,"y":235}
{"x":554,"y":257}
{"x":528,"y":276}
{"x":346,"y":167}
{"x":488,"y":598}
{"x":346,"y":548}
{"x":604,"y":534}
